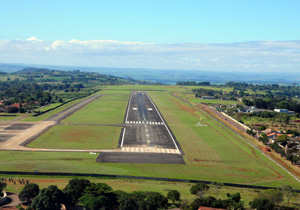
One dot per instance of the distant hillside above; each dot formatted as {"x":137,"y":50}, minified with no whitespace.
{"x":173,"y":76}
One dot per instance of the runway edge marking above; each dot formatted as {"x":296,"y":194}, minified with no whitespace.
{"x":165,"y":124}
{"x":126,"y":119}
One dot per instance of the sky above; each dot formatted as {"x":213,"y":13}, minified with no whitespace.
{"x":218,"y":35}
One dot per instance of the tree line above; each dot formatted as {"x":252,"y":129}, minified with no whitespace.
{"x":100,"y":196}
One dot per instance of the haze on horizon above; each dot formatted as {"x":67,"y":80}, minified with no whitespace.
{"x":191,"y":35}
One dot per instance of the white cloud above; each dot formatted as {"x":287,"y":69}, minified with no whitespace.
{"x":246,"y":56}
{"x":34,"y":39}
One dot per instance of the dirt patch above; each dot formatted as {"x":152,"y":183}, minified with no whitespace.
{"x":76,"y":135}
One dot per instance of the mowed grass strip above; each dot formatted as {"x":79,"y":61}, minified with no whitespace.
{"x":112,"y":90}
{"x":52,"y":112}
{"x":115,"y":97}
{"x":7,"y":117}
{"x":100,"y":112}
{"x":213,"y":145}
{"x":50,"y":106}
{"x":78,"y":137}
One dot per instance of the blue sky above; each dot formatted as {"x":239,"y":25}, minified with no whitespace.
{"x":169,"y":24}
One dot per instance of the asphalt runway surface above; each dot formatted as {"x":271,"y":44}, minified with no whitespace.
{"x":19,"y":126}
{"x":126,"y":157}
{"x":145,"y":130}
{"x":70,"y":110}
{"x":158,"y":136}
{"x":5,"y":137}
{"x":144,"y":124}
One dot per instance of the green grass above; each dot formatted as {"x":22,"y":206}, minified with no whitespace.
{"x":8,"y":117}
{"x":50,"y":113}
{"x":100,"y":112}
{"x":78,"y":137}
{"x":212,"y":153}
{"x":128,"y":185}
{"x":213,"y":101}
{"x":224,"y":89}
{"x":50,"y":106}
{"x":115,"y":97}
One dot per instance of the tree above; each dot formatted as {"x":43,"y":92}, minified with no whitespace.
{"x":185,"y":206}
{"x":48,"y":198}
{"x":75,"y":189}
{"x":154,"y":201}
{"x":282,"y":138}
{"x":199,"y":189}
{"x":2,"y":186}
{"x":98,"y":194}
{"x":262,"y":128}
{"x":126,"y":201}
{"x":234,"y":201}
{"x":29,"y":192}
{"x":275,"y":196}
{"x":215,"y":187}
{"x":196,"y":203}
{"x":261,"y":204}
{"x":12,"y":109}
{"x":288,"y":192}
{"x":96,"y":203}
{"x":97,"y":189}
{"x":173,"y":195}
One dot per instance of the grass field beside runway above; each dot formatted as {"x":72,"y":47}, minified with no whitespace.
{"x":78,"y":137}
{"x":8,"y":117}
{"x":212,"y":153}
{"x":120,"y":96}
{"x":50,"y":113}
{"x":100,"y":112}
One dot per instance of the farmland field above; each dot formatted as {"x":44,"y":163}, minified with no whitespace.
{"x":78,"y":137}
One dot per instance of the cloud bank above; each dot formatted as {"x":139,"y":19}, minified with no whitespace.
{"x":246,"y":56}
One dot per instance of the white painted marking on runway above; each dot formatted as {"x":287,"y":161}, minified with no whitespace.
{"x":123,"y":137}
{"x":128,"y":106}
{"x":163,"y":122}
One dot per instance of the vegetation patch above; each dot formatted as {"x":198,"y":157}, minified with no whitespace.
{"x":100,"y":112}
{"x":78,"y":137}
